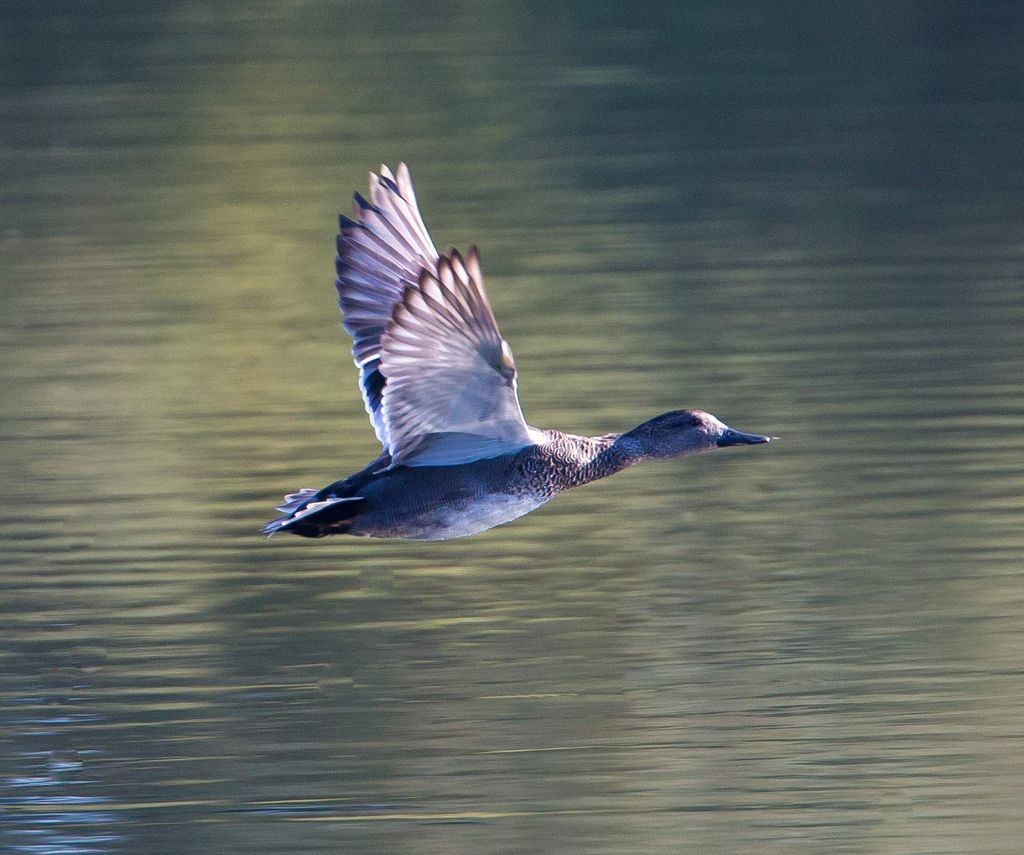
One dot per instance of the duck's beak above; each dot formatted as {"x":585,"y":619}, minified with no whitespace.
{"x":735,"y":437}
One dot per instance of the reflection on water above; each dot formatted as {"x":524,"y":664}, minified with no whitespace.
{"x":805,"y":221}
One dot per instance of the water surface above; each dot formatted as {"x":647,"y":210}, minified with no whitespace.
{"x":804,"y":220}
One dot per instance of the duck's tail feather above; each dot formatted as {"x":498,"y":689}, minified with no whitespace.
{"x":307,"y":516}
{"x":294,"y":501}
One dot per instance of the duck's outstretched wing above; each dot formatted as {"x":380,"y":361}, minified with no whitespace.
{"x":450,"y":379}
{"x":380,"y":255}
{"x":438,"y":380}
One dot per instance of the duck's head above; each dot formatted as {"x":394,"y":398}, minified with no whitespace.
{"x":683,"y":432}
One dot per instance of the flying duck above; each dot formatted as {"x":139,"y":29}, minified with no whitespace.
{"x":439,"y":385}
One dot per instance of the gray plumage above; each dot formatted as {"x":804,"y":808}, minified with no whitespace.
{"x":440,"y":387}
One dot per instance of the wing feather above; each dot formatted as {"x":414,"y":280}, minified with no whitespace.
{"x":438,"y":380}
{"x":380,"y":254}
{"x":449,"y":372}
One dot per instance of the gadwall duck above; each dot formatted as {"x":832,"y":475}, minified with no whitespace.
{"x":439,"y":384}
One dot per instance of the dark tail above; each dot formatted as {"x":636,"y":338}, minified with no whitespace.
{"x":309,"y":513}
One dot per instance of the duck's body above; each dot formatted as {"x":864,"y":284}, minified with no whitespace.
{"x":443,"y":502}
{"x":439,"y":384}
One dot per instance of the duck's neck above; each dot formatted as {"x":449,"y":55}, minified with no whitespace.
{"x":587,"y":458}
{"x":622,"y":452}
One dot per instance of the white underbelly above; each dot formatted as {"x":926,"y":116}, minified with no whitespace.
{"x":447,"y":522}
{"x":480,"y":516}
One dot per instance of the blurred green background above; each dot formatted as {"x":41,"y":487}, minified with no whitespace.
{"x":803,"y":217}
